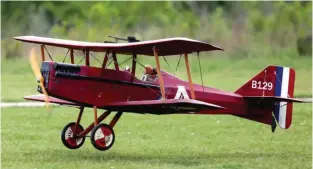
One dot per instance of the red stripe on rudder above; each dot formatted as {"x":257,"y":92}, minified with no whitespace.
{"x":291,"y":86}
{"x":289,"y":115}
{"x":290,"y":93}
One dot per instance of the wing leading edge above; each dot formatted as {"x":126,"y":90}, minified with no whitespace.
{"x":169,"y":46}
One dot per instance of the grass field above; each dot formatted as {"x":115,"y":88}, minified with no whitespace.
{"x":31,"y":139}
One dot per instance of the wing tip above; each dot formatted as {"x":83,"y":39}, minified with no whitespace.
{"x":17,"y":37}
{"x":20,"y":38}
{"x":218,"y":48}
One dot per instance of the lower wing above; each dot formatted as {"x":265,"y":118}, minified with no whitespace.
{"x":161,"y":106}
{"x":146,"y":106}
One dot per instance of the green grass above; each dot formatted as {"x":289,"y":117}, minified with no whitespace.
{"x":31,"y":139}
{"x":219,"y":72}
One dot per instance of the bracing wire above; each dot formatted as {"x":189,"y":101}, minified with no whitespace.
{"x":81,"y":59}
{"x":109,"y":63}
{"x":66,"y":55}
{"x":116,"y":63}
{"x":178,"y":63}
{"x":119,"y":64}
{"x":200,"y":70}
{"x":94,"y":57}
{"x":125,"y":60}
{"x":139,"y":63}
{"x":107,"y":55}
{"x":166,"y":62}
{"x":48,"y":53}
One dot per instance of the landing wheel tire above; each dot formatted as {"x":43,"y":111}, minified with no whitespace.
{"x":68,"y":137}
{"x":102,"y":137}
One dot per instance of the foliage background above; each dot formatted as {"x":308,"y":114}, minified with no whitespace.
{"x":243,"y":29}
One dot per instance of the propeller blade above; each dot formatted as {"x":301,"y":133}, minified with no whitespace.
{"x":36,"y":70}
{"x":41,"y":82}
{"x":34,"y":63}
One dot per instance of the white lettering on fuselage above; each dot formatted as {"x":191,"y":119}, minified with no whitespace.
{"x":181,"y":93}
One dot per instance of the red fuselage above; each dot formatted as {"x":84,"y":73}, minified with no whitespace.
{"x":93,"y":86}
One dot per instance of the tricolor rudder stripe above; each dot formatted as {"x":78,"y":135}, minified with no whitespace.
{"x":284,"y":87}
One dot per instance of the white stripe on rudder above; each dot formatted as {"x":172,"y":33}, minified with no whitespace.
{"x":284,"y":94}
{"x":282,"y":114}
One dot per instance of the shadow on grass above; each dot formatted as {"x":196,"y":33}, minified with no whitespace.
{"x":183,"y":159}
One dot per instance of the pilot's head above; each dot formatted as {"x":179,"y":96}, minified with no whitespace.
{"x":148,"y":70}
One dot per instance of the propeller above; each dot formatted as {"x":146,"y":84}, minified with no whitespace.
{"x":36,"y":70}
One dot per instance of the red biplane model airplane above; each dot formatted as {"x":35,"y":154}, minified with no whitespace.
{"x":266,"y":98}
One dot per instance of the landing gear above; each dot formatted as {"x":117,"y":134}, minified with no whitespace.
{"x":102,"y":137}
{"x":69,"y":136}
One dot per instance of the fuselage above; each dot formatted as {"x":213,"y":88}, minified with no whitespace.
{"x":93,"y":86}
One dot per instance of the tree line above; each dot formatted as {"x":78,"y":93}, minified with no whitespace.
{"x":285,"y":26}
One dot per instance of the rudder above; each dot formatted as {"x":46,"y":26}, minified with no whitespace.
{"x":273,"y":81}
{"x":284,"y":88}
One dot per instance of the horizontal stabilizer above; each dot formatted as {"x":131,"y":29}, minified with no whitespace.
{"x":276,"y":98}
{"x":161,"y":106}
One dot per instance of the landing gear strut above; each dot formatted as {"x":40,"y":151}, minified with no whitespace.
{"x":102,"y":135}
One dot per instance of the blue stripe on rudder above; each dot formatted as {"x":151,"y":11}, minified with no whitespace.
{"x":278,"y":84}
{"x":278,"y":80}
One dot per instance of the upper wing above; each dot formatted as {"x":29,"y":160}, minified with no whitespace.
{"x":161,"y":106}
{"x":170,"y":46}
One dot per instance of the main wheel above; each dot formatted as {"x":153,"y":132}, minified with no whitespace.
{"x":102,"y":137}
{"x":69,"y":139}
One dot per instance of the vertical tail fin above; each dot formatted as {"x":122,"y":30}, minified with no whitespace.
{"x":284,"y":88}
{"x":273,"y":81}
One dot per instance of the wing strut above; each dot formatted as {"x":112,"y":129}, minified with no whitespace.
{"x":42,"y":53}
{"x":115,"y":61}
{"x":87,"y":58}
{"x":95,"y":121}
{"x":189,"y":77}
{"x":105,"y":60}
{"x":155,"y":52}
{"x":72,"y":55}
{"x":133,"y":67}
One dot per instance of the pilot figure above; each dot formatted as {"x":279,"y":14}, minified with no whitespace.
{"x":150,"y":73}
